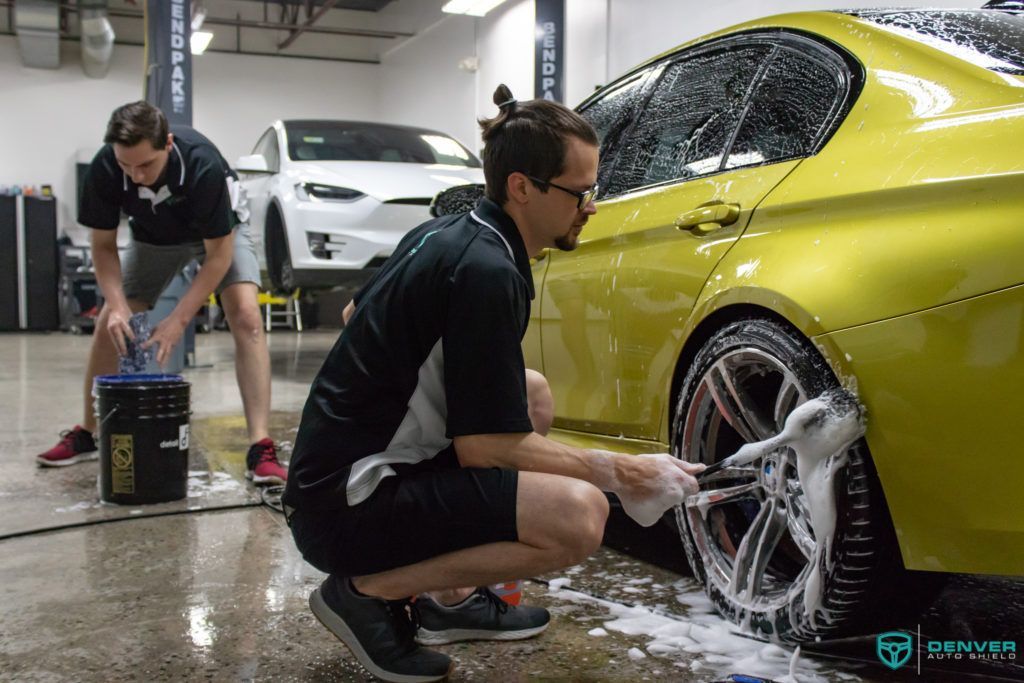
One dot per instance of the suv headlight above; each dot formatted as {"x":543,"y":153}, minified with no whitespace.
{"x":315,"y":191}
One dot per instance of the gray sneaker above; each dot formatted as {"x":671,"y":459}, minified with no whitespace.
{"x":378,"y":632}
{"x":481,"y":616}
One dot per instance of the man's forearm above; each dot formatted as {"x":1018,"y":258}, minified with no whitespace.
{"x":531,"y":452}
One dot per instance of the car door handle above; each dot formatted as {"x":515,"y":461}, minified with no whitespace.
{"x":706,"y":219}
{"x":534,"y":260}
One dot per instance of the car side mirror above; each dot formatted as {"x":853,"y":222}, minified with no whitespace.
{"x":253,"y":163}
{"x":458,"y":199}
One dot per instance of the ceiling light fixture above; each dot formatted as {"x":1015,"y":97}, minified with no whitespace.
{"x":476,"y":8}
{"x":200,"y":40}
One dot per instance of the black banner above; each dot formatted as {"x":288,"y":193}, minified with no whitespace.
{"x":169,"y":58}
{"x":549,"y":52}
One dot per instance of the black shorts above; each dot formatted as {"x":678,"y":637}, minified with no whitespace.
{"x":410,"y":517}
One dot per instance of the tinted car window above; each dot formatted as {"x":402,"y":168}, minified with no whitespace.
{"x":609,"y":116}
{"x":988,"y":38}
{"x":693,"y":112}
{"x":790,"y":112}
{"x":353,"y":141}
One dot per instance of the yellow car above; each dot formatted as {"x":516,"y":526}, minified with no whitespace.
{"x":797,"y":203}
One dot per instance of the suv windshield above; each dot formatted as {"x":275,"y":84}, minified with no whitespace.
{"x":989,"y":38}
{"x":349,"y":141}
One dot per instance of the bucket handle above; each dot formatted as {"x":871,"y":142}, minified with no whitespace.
{"x":107,"y":417}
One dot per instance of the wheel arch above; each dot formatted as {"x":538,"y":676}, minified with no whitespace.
{"x":274,"y":220}
{"x":276,"y":248}
{"x":700,"y":334}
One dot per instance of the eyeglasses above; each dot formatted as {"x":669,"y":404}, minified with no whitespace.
{"x":582,"y":198}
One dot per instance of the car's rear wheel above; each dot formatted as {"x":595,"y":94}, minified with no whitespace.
{"x":750,"y":540}
{"x":279,"y":261}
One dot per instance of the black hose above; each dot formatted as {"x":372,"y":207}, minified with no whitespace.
{"x":111,"y":520}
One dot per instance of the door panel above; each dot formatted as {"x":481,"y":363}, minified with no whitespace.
{"x":613,"y":311}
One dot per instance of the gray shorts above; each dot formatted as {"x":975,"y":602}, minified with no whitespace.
{"x":147,"y":269}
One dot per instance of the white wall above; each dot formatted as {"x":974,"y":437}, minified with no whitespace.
{"x":586,"y":60}
{"x":236,"y":97}
{"x":47,"y":116}
{"x":50,"y":116}
{"x":505,"y":45}
{"x":422,"y":84}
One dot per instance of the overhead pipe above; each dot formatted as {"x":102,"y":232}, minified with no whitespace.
{"x":37,"y":24}
{"x":97,"y":37}
{"x":243,"y":23}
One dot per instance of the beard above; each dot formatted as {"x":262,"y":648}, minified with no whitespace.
{"x":569,"y":241}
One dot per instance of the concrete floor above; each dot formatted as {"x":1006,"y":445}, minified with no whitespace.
{"x":190,"y":590}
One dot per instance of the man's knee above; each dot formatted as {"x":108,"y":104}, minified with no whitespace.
{"x":243,"y":312}
{"x":247,"y":323}
{"x":584,"y":521}
{"x":540,"y":403}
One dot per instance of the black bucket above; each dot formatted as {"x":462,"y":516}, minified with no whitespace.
{"x":144,"y":437}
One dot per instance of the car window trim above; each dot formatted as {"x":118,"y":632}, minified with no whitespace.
{"x":755,"y":83}
{"x":651,"y":75}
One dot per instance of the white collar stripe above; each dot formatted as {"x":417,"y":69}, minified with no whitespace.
{"x":181,"y":159}
{"x":485,"y":223}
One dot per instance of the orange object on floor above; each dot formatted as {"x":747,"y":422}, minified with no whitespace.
{"x":510,"y":591}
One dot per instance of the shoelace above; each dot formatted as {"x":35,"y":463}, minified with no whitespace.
{"x":70,"y":437}
{"x":495,"y":600}
{"x":266,"y":454}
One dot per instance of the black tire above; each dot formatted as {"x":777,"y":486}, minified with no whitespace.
{"x":279,"y":261}
{"x":759,"y":370}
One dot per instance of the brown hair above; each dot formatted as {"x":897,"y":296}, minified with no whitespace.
{"x":134,"y":122}
{"x":528,"y":137}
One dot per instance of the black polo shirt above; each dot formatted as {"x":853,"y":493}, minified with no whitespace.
{"x":191,"y":201}
{"x":433,"y":351}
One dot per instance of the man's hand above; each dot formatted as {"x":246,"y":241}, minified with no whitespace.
{"x":648,"y":485}
{"x":648,"y":475}
{"x":119,"y":328}
{"x":164,"y":337}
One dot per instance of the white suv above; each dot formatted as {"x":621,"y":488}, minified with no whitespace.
{"x":331,"y":199}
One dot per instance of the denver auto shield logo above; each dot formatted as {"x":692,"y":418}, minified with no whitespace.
{"x":894,"y":648}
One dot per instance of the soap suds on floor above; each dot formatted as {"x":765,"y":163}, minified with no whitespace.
{"x":701,"y":640}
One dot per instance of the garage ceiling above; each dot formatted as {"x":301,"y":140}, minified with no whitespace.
{"x":339,"y":30}
{"x":362,"y":5}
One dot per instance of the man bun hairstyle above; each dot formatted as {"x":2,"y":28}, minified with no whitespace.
{"x":529,"y":137}
{"x":134,"y":122}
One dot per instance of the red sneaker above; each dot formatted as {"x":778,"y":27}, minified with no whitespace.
{"x":262,"y":465}
{"x":75,"y":445}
